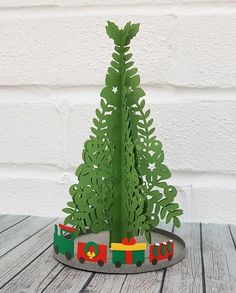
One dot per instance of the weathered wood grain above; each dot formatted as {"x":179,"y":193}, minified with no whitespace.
{"x":186,"y":276}
{"x":37,"y":270}
{"x":8,"y":221}
{"x":27,"y":264}
{"x":22,"y":255}
{"x":105,"y":283}
{"x":68,"y":280}
{"x":219,"y":258}
{"x":20,"y":232}
{"x":36,"y":276}
{"x":147,"y":282}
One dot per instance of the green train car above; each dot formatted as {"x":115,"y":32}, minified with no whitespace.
{"x":64,"y":242}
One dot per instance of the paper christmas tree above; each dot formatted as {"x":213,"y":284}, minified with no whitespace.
{"x":122,"y":184}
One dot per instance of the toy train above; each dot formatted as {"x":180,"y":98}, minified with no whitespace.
{"x":128,"y":252}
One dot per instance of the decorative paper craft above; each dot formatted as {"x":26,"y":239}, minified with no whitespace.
{"x":160,"y":251}
{"x":122,"y":184}
{"x":128,"y":252}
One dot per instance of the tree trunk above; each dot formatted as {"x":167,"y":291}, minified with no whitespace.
{"x":119,"y":220}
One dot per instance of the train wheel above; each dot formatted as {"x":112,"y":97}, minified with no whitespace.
{"x":56,"y":249}
{"x":68,"y":255}
{"x":118,"y":264}
{"x":154,"y":262}
{"x":170,"y":257}
{"x":139,"y":263}
{"x":81,"y":260}
{"x":100,"y":262}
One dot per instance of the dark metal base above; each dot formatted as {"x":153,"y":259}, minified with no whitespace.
{"x":158,"y":235}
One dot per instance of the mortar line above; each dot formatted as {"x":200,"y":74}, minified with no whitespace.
{"x":58,"y":10}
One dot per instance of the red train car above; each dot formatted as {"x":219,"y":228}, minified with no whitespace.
{"x":92,"y":252}
{"x":161,"y":251}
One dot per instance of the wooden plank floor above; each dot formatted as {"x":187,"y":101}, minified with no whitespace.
{"x":27,"y":265}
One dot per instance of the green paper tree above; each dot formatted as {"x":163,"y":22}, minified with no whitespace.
{"x":122,"y":184}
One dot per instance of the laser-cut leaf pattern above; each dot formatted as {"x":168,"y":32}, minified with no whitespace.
{"x":122,"y":183}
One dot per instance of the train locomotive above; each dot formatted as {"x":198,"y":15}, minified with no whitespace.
{"x":126,"y":253}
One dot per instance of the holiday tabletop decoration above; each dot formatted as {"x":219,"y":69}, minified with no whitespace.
{"x":122,"y":185}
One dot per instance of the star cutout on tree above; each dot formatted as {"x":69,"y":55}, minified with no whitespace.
{"x":151,"y":166}
{"x":114,"y":89}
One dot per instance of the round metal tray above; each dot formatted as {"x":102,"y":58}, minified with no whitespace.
{"x":158,"y":235}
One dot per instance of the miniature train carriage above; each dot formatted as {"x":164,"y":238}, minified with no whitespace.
{"x":92,"y":252}
{"x":64,"y":242}
{"x":161,"y":251}
{"x":128,"y":252}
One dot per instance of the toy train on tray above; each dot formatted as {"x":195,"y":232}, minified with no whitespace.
{"x":127,"y":252}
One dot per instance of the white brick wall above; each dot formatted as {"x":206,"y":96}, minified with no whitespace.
{"x":53,"y":59}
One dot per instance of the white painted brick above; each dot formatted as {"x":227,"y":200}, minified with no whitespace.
{"x":184,"y":199}
{"x":31,"y":133}
{"x":80,"y":124}
{"x":208,"y":204}
{"x":196,"y":136}
{"x":33,"y":196}
{"x":187,"y":50}
{"x":204,"y":51}
{"x":75,"y":50}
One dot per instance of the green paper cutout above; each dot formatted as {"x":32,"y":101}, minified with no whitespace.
{"x":169,"y":246}
{"x":163,"y":249}
{"x":155,"y":250}
{"x":117,"y":191}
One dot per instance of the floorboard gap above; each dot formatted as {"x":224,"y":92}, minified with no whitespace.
{"x":27,"y":239}
{"x":26,"y":217}
{"x":48,"y":274}
{"x":123,"y":284}
{"x":163,"y":280}
{"x":202,"y":262}
{"x":231,"y":234}
{"x":53,"y":279}
{"x":25,"y":266}
{"x":83,"y":289}
{"x":165,"y":270}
